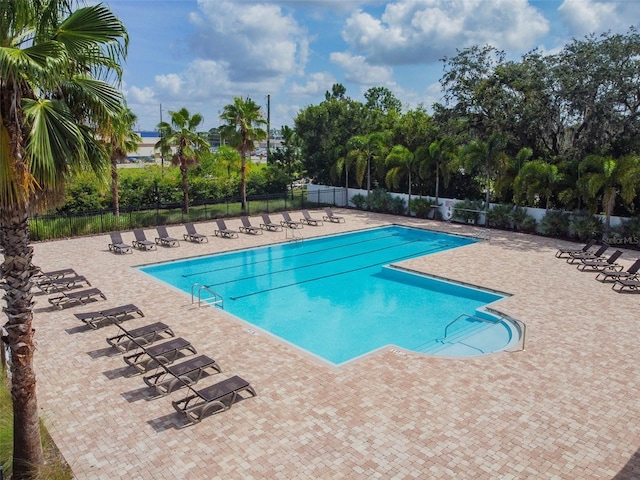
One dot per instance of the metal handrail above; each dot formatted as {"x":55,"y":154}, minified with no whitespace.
{"x":469,"y":316}
{"x":521,"y":325}
{"x":294,"y":231}
{"x":217,"y":299}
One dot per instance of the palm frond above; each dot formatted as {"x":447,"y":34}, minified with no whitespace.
{"x":54,"y":141}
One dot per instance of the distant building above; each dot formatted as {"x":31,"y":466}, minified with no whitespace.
{"x":146,"y":148}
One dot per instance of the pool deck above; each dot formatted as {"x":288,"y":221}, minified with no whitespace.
{"x":566,"y":407}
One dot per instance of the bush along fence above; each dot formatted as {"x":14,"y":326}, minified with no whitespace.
{"x":624,"y":232}
{"x":52,"y":226}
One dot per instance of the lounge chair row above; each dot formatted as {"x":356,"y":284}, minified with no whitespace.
{"x":154,"y":349}
{"x":140,"y":241}
{"x":66,"y":287}
{"x":588,"y":259}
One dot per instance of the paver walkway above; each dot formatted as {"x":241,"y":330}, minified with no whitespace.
{"x":565,"y":408}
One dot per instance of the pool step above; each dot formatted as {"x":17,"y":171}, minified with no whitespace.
{"x":477,"y":338}
{"x":460,"y":335}
{"x":487,"y":340}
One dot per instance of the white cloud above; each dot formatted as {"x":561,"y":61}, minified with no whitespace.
{"x":423,"y":31}
{"x":252,"y":39}
{"x":171,"y":84}
{"x":358,"y":70}
{"x":584,"y":17}
{"x":144,"y":95}
{"x":317,"y":83}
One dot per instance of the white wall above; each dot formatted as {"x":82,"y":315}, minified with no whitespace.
{"x":337,"y":196}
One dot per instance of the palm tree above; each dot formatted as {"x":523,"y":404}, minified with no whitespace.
{"x":120,"y":139}
{"x":435,"y":159}
{"x":344,"y":163}
{"x":609,"y":177}
{"x":486,"y":157}
{"x":537,"y":179}
{"x":401,"y":163}
{"x":287,"y":156}
{"x":362,"y":151}
{"x":243,"y":129}
{"x":57,"y":68}
{"x":227,"y":159}
{"x":189,"y":145}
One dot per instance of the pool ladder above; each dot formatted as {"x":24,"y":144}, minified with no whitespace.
{"x":296,"y":235}
{"x":213,"y":299}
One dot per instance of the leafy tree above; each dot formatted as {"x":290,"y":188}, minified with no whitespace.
{"x":504,"y":185}
{"x":607,"y":178}
{"x":338,"y":92}
{"x":383,"y":99}
{"x":401,"y":163}
{"x":597,"y":78}
{"x":120,"y":139}
{"x":382,"y":108}
{"x":414,"y":129}
{"x":287,"y":157}
{"x":487,"y":158}
{"x":189,"y":145}
{"x":324,"y":130}
{"x":243,"y":129}
{"x":473,"y":91}
{"x":83,"y":192}
{"x":537,"y":179}
{"x":227,"y":159}
{"x":363,"y":150}
{"x":436,"y":160}
{"x":580,"y":101}
{"x":56,"y":68}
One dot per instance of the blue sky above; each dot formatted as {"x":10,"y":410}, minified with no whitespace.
{"x":201,"y":54}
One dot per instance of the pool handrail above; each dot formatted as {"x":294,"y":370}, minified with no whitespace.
{"x":463,"y":315}
{"x":215,"y":298}
{"x":521,"y":325}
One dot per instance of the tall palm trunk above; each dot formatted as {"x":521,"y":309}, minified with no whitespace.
{"x":409,"y":199}
{"x":243,"y":181}
{"x":185,"y":186}
{"x":18,"y":271}
{"x":114,"y":187}
{"x":346,"y":185}
{"x":437,"y":181}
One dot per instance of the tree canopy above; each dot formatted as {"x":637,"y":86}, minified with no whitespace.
{"x":555,"y":109}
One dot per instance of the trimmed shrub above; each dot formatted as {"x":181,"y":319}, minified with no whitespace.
{"x":422,"y":206}
{"x":626,"y":234}
{"x":555,"y":224}
{"x":499,"y":216}
{"x":522,"y":221}
{"x":586,"y":227}
{"x":396,"y":205}
{"x":467,"y":211}
{"x":359,"y":201}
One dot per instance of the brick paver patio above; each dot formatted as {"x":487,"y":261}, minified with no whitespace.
{"x":565,"y":408}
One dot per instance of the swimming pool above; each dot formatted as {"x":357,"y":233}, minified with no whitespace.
{"x":337,"y":297}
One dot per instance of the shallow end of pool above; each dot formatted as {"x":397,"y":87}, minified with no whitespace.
{"x":488,"y":339}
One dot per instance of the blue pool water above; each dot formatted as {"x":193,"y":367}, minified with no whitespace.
{"x":337,"y":297}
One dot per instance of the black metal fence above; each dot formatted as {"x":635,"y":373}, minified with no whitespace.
{"x":51,"y":226}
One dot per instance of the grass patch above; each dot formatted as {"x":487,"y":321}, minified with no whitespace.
{"x":55,"y":467}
